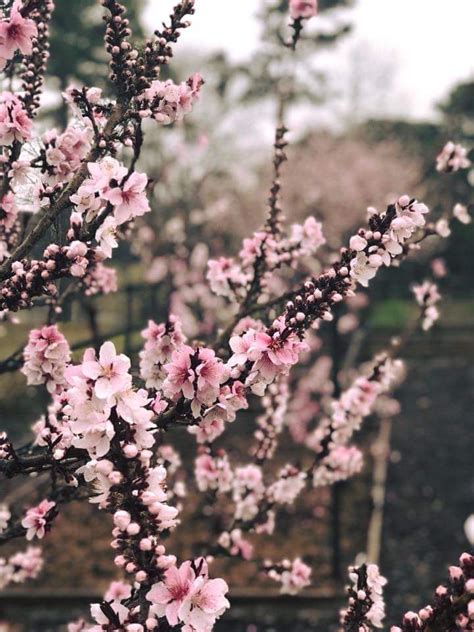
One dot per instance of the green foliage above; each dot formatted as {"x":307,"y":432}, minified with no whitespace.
{"x":460,"y":101}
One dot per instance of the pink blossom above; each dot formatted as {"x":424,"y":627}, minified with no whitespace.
{"x":252,"y":247}
{"x":106,"y":235}
{"x":452,"y":158}
{"x":65,"y":152}
{"x":170,"y":594}
{"x":236,"y":544}
{"x":270,"y":354}
{"x":288,"y":486}
{"x":303,"y":9}
{"x":109,"y":371}
{"x":5,"y":516}
{"x":15,"y":124}
{"x":129,"y":199}
{"x":211,"y":426}
{"x":205,"y":603}
{"x":118,"y":591}
{"x":180,"y":375}
{"x":213,"y":473}
{"x":16,"y":33}
{"x":36,"y":519}
{"x":461,"y":213}
{"x":100,"y":279}
{"x":293,"y":575}
{"x":167,"y":102}
{"x":8,"y":211}
{"x":76,"y":253}
{"x":102,"y":173}
{"x":21,"y":566}
{"x":210,"y":373}
{"x":225,"y":277}
{"x":363,"y":269}
{"x":46,"y":357}
{"x":309,"y":236}
{"x":119,"y":609}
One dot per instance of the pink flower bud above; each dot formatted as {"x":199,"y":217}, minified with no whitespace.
{"x":122,"y":519}
{"x":146,"y":544}
{"x":357,"y":243}
{"x":130,"y":451}
{"x":133,"y":528}
{"x":120,"y":560}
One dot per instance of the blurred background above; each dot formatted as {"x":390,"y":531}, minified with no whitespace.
{"x":374,"y":91}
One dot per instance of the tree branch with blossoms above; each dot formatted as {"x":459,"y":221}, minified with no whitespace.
{"x":107,"y":431}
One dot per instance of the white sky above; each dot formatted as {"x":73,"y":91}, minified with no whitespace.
{"x":425,"y":45}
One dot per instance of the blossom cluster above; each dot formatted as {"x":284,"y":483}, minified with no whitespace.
{"x":452,"y":158}
{"x":20,"y":567}
{"x":46,"y":357}
{"x":260,"y":256}
{"x":105,"y":431}
{"x":375,"y":249}
{"x":427,"y":296}
{"x":98,"y":410}
{"x":38,"y":519}
{"x":453,"y":604}
{"x":17,"y":33}
{"x":366,"y":607}
{"x":335,"y":459}
{"x":187,"y":595}
{"x":293,"y":575}
{"x":167,"y":102}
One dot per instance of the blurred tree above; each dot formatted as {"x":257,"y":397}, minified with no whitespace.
{"x":77,"y":52}
{"x":458,"y":109}
{"x":271,"y":65}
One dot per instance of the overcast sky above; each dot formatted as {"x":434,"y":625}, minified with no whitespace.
{"x":425,"y":45}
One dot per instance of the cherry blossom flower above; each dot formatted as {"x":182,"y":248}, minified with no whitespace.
{"x":366,"y":604}
{"x":452,"y":158}
{"x":293,"y":576}
{"x":442,"y":228}
{"x":5,"y":516}
{"x":288,"y":486}
{"x":129,"y":199}
{"x":118,"y":591}
{"x":37,"y":519}
{"x":21,"y":566}
{"x":270,"y":354}
{"x":303,"y":9}
{"x":225,"y":277}
{"x":461,"y":213}
{"x":8,"y":211}
{"x":236,"y":544}
{"x":106,"y":235}
{"x":168,"y":596}
{"x":167,"y":102}
{"x":213,"y":473}
{"x":307,"y":237}
{"x":46,"y":357}
{"x":110,"y":371}
{"x":196,"y":374}
{"x":16,"y":33}
{"x":160,"y":343}
{"x":205,"y":603}
{"x":180,"y":375}
{"x":427,"y":295}
{"x":15,"y":124}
